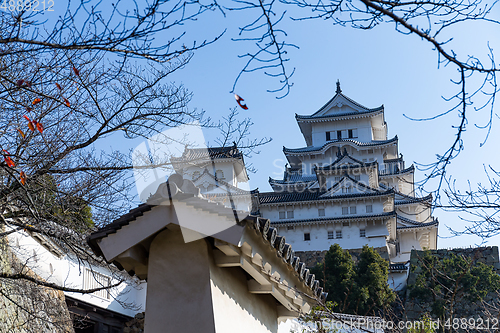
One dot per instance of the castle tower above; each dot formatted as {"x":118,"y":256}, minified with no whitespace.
{"x":350,"y":186}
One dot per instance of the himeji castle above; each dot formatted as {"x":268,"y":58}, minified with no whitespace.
{"x":349,"y":185}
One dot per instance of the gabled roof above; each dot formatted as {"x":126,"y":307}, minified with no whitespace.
{"x":338,"y":100}
{"x":221,"y":183}
{"x":329,"y":144}
{"x":345,"y":161}
{"x":359,"y":185}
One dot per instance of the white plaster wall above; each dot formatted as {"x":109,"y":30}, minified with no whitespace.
{"x":319,"y":237}
{"x":68,"y":273}
{"x":362,"y":125}
{"x":235,"y":309}
{"x":306,"y":211}
{"x":397,"y":280}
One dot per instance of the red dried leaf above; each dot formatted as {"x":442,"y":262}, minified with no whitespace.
{"x":36,"y":101}
{"x":21,"y":133}
{"x":22,"y":177}
{"x":8,"y":160}
{"x":29,"y":109}
{"x":31,"y":126}
{"x":39,"y":127}
{"x":239,"y":100}
{"x":67,"y":103}
{"x":77,"y":72}
{"x":19,"y":83}
{"x":58,"y":86}
{"x":28,"y":84}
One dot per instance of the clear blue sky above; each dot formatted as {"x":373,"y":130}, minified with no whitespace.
{"x":378,"y":66}
{"x":374,"y":67}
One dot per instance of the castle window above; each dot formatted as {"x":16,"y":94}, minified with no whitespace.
{"x":93,"y":280}
{"x":362,"y":233}
{"x":321,"y":212}
{"x":307,"y":236}
{"x":289,"y":227}
{"x":353,"y":209}
{"x":369,"y":208}
{"x":345,"y":224}
{"x":345,"y":210}
{"x":338,"y":234}
{"x":357,"y":177}
{"x":346,"y":189}
{"x":328,"y":136}
{"x":289,"y":214}
{"x":196,"y":174}
{"x":330,"y":234}
{"x":339,"y":135}
{"x":352,"y":133}
{"x":219,"y":174}
{"x":282,"y":215}
{"x":337,"y":179}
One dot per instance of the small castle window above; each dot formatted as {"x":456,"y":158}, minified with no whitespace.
{"x":289,"y":227}
{"x":345,"y":210}
{"x":330,"y":234}
{"x":321,"y":212}
{"x":289,"y":214}
{"x":282,"y":215}
{"x":328,"y":136}
{"x":339,"y":135}
{"x":369,"y":208}
{"x":357,"y":177}
{"x":219,"y":174}
{"x":353,"y":209}
{"x":362,"y":233}
{"x":196,"y":174}
{"x":338,"y":234}
{"x":307,"y":236}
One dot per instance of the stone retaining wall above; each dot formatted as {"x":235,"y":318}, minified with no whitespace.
{"x":464,"y":309}
{"x":26,"y":307}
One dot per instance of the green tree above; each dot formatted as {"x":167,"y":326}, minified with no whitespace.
{"x":446,"y":283}
{"x":337,"y":274}
{"x":360,"y":289}
{"x":373,"y":292}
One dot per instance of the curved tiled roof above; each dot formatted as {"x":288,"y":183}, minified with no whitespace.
{"x":398,"y":267}
{"x":339,"y":93}
{"x":332,"y":143}
{"x":415,"y":224}
{"x":293,"y":179}
{"x":190,"y":154}
{"x":336,"y":115}
{"x":409,"y":169}
{"x":311,"y":195}
{"x":339,"y":218}
{"x":260,"y":225}
{"x":409,"y":200}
